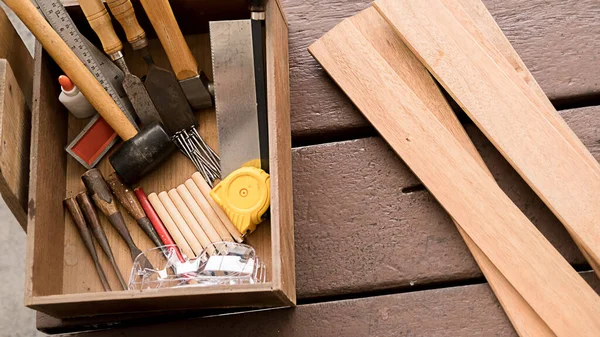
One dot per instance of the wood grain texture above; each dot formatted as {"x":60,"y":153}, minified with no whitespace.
{"x":101,"y":22}
{"x":387,"y":43}
{"x":15,"y":134}
{"x":45,"y":251}
{"x":13,"y":49}
{"x":166,"y":27}
{"x":512,"y":244}
{"x":123,"y":11}
{"x":510,"y":116}
{"x":554,"y":38}
{"x":280,"y":151}
{"x":447,"y":312}
{"x":480,"y":25}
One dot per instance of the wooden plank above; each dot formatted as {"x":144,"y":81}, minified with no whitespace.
{"x":555,"y":38}
{"x":404,"y":241}
{"x":387,"y":43}
{"x":454,"y":178}
{"x":515,"y":120}
{"x":476,"y":20}
{"x":15,"y":134}
{"x":280,"y":139}
{"x":47,"y":180}
{"x":13,"y":49}
{"x":457,"y":311}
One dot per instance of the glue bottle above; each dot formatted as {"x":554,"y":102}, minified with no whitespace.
{"x":73,"y":99}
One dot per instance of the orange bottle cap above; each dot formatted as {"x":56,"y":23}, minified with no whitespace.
{"x":66,"y":83}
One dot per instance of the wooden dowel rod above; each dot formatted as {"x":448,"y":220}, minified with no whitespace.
{"x":205,"y":191}
{"x":201,"y":228}
{"x":198,"y":199}
{"x":180,"y":223}
{"x":170,"y":225}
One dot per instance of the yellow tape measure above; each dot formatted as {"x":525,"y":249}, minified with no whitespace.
{"x":245,"y":196}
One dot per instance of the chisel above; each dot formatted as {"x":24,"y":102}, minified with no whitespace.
{"x":130,"y":202}
{"x":100,"y":192}
{"x":193,"y":81}
{"x":101,"y":23}
{"x":90,"y":214}
{"x":84,"y":231}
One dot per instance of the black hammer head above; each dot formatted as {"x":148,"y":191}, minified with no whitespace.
{"x":143,"y":153}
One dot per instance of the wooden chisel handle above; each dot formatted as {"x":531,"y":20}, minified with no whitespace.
{"x":124,"y":13}
{"x":89,"y":212}
{"x":98,"y":17}
{"x":128,"y":199}
{"x":163,"y":20}
{"x":79,"y":221}
{"x":100,"y":192}
{"x":73,"y":67}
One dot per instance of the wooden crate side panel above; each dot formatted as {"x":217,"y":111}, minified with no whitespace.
{"x":77,"y":305}
{"x":15,"y":134}
{"x":46,"y":184}
{"x":13,"y":49}
{"x":282,"y":217}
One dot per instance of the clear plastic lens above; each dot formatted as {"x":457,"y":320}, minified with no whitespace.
{"x":222,"y":263}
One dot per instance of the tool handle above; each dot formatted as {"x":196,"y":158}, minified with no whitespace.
{"x":163,"y":20}
{"x":84,"y":231}
{"x":73,"y":67}
{"x":128,"y":199}
{"x":90,"y":214}
{"x":100,"y":192}
{"x":124,"y":13}
{"x":98,"y":17}
{"x":155,"y":220}
{"x":125,"y":196}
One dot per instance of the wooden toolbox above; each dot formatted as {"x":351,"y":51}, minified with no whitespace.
{"x":60,"y":276}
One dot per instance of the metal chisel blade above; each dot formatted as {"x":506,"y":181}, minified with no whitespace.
{"x":140,"y":99}
{"x":235,"y":94}
{"x":169,"y":99}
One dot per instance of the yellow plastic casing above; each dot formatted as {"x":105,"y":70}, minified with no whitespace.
{"x":245,"y":196}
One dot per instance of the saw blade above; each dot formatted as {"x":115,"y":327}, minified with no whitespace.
{"x":108,"y":74}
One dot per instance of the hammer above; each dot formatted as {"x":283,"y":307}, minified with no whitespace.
{"x":141,"y":152}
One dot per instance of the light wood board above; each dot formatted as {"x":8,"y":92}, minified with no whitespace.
{"x":475,"y":18}
{"x":512,"y":244}
{"x":385,"y":41}
{"x":533,"y":138}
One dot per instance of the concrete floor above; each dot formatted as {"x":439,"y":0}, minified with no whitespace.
{"x":15,"y":319}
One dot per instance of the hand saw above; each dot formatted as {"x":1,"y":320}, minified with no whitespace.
{"x":108,"y":74}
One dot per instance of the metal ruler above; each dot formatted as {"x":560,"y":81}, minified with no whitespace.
{"x":106,"y":72}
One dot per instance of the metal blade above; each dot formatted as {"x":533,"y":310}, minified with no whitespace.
{"x":140,"y":99}
{"x":169,"y":99}
{"x":235,"y":94}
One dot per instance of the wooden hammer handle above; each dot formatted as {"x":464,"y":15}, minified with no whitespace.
{"x":163,"y":20}
{"x":98,"y":17}
{"x":124,"y":13}
{"x":73,"y":67}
